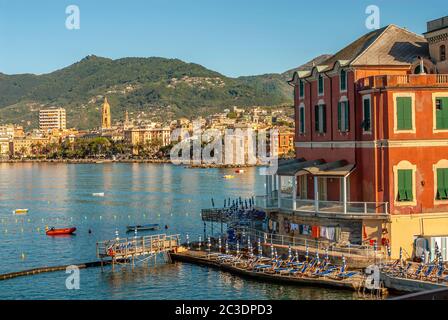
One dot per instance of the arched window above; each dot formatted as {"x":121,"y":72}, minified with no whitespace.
{"x":442,"y":53}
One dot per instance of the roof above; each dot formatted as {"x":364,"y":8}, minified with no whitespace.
{"x":339,"y":168}
{"x":292,"y":167}
{"x":391,"y":46}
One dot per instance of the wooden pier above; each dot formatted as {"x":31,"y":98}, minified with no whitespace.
{"x":136,"y":249}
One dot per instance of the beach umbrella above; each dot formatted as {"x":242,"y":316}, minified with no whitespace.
{"x":237,"y":247}
{"x":343,"y":263}
{"x":306,"y":253}
{"x":260,"y":248}
{"x":317,"y":257}
{"x":297,"y":255}
{"x":213,"y":203}
{"x":327,"y":258}
{"x":272,"y":251}
{"x":224,"y":203}
{"x":227,"y":247}
{"x":209,"y":244}
{"x":375,"y":246}
{"x":389,"y":253}
{"x":188,"y":241}
{"x":289,"y":252}
{"x":199,"y":244}
{"x":219,"y":244}
{"x":116,"y":235}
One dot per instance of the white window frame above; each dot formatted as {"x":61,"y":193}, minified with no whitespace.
{"x":323,"y":85}
{"x":405,"y":165}
{"x":404,"y":95}
{"x":442,"y":164}
{"x":346,"y":80}
{"x":367,"y":97}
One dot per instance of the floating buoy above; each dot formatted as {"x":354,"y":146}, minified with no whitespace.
{"x":23,"y":256}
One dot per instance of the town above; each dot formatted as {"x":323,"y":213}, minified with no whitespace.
{"x":129,"y":138}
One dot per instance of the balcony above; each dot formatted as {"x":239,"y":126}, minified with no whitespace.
{"x":402,"y":81}
{"x":307,"y":206}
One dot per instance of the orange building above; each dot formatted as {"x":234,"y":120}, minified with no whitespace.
{"x":371,"y":145}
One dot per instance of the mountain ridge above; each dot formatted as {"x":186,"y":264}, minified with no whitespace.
{"x":153,"y":87}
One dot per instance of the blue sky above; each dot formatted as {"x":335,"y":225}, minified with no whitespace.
{"x":234,"y":37}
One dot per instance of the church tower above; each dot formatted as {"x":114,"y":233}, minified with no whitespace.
{"x":105,"y":115}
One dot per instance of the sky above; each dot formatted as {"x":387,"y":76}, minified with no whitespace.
{"x":233,"y":37}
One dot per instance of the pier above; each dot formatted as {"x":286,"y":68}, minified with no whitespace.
{"x":136,"y":249}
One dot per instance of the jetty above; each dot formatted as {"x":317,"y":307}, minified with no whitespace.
{"x":136,"y":249}
{"x":204,"y":258}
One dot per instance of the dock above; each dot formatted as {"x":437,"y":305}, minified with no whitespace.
{"x":136,"y":249}
{"x":203,"y":258}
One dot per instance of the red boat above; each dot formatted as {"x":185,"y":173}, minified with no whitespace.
{"x":57,"y":232}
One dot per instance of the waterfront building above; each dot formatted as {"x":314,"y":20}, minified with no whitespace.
{"x":105,"y":116}
{"x":371,"y":147}
{"x":52,"y":118}
{"x":285,"y":141}
{"x":147,"y":135}
{"x":27,"y":146}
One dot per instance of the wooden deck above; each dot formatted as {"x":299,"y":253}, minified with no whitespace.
{"x":201,"y":258}
{"x":125,"y":250}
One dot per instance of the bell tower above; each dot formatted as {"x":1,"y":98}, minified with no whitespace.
{"x":105,"y":115}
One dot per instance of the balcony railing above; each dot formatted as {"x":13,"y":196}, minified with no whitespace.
{"x":330,"y":207}
{"x":410,"y":80}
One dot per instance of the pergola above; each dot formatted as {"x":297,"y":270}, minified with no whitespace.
{"x":317,"y":168}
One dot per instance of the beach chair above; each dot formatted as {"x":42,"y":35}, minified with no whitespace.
{"x":428,"y":272}
{"x":417,"y":272}
{"x":343,"y":274}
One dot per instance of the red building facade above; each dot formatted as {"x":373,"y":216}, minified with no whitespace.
{"x":371,"y":144}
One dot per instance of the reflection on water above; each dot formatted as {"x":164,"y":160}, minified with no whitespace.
{"x":60,"y":195}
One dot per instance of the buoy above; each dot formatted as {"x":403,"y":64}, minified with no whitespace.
{"x":23,"y":256}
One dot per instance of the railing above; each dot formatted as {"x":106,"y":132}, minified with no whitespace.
{"x":125,"y":247}
{"x":410,"y":80}
{"x":302,"y":243}
{"x":336,"y":207}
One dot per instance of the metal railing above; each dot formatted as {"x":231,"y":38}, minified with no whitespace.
{"x":313,"y":245}
{"x":125,"y":247}
{"x":433,"y":80}
{"x":336,"y":207}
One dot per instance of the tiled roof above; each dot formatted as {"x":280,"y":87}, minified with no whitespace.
{"x":390,"y":45}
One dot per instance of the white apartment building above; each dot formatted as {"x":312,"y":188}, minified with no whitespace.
{"x":52,"y":118}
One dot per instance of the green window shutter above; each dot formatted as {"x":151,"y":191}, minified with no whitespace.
{"x":302,"y":120}
{"x":405,"y":185}
{"x":316,"y":118}
{"x":442,"y":184}
{"x":324,"y":118}
{"x":343,"y":80}
{"x":367,"y":120}
{"x":321,"y":85}
{"x":340,"y":116}
{"x":347,"y":116}
{"x":442,"y":113}
{"x":404,"y":113}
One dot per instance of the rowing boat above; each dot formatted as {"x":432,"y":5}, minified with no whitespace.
{"x":144,"y":227}
{"x":58,"y":232}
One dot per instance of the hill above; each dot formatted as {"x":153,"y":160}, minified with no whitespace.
{"x":146,"y":87}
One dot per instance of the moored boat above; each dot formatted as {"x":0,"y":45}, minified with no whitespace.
{"x":20,"y":211}
{"x":228,"y":176}
{"x":61,"y":231}
{"x":144,"y":227}
{"x":402,"y":284}
{"x":98,"y":194}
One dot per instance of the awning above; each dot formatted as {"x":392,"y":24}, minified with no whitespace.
{"x":339,"y":168}
{"x":290,"y":168}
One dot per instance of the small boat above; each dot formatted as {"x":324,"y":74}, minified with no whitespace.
{"x":239,"y":171}
{"x":228,"y":176}
{"x":143,"y":227}
{"x":98,"y":194}
{"x":20,"y":211}
{"x":57,"y":232}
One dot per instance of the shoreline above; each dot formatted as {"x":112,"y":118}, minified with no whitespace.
{"x":107,"y":161}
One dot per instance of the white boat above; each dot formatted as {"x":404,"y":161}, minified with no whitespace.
{"x":98,"y":194}
{"x":409,"y":285}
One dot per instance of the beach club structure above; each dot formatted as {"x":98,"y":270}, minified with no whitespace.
{"x":371,"y":144}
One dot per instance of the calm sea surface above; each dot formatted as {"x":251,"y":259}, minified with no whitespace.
{"x":60,"y":195}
